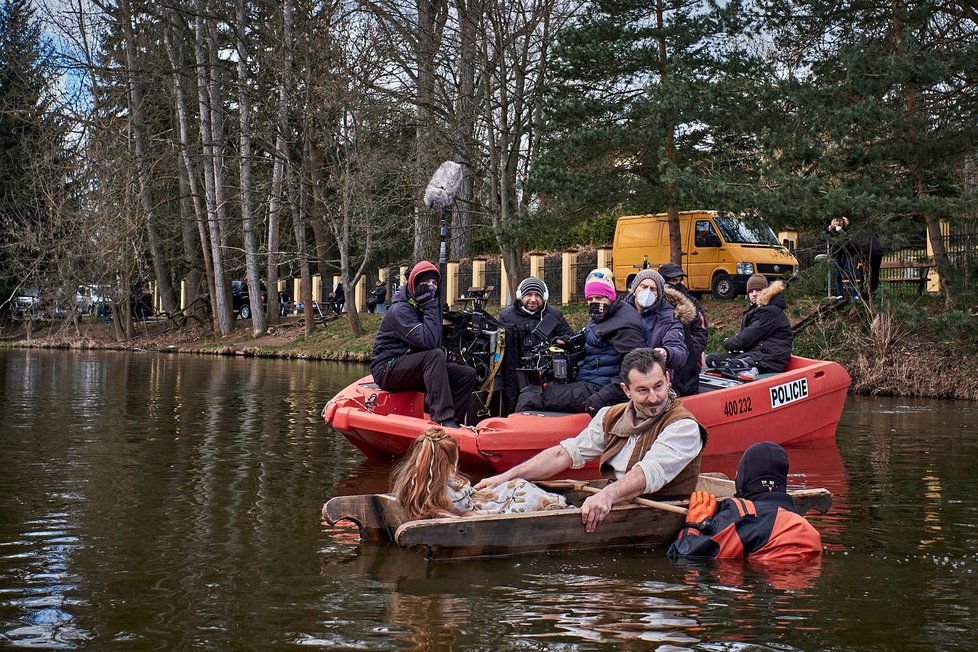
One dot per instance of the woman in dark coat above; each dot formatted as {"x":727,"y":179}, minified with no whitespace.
{"x":765,"y":336}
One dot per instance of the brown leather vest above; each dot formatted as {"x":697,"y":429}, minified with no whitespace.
{"x":685,"y":481}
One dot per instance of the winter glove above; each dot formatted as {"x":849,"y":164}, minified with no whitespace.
{"x":702,"y":505}
{"x":426,"y":296}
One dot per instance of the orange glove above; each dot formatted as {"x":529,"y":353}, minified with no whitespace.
{"x":702,"y":505}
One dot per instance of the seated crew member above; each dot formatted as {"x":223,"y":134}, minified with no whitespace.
{"x":530,"y":321}
{"x":427,"y":484}
{"x":613,"y":330}
{"x":760,"y":522}
{"x":663,"y":315}
{"x":377,"y":296}
{"x":649,"y":445}
{"x":337,"y":299}
{"x":685,"y":380}
{"x":765,"y":336}
{"x":407,"y":354}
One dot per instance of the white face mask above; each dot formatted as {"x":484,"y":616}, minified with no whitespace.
{"x":645,"y":298}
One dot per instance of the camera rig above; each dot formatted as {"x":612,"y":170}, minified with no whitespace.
{"x":552,"y":363}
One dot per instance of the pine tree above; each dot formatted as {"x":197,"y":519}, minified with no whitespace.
{"x":880,"y":112}
{"x":23,"y":134}
{"x":639,"y":91}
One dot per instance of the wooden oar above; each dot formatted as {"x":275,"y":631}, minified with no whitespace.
{"x":586,"y":488}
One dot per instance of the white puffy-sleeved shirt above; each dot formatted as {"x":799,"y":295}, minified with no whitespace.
{"x":669,"y":454}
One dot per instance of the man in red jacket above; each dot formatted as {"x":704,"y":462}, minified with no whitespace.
{"x":760,"y":522}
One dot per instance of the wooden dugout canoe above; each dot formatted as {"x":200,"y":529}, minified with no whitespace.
{"x":378,"y":519}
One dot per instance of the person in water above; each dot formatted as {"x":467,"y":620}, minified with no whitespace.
{"x":759,"y":523}
{"x":427,"y":484}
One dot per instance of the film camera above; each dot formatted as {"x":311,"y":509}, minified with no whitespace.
{"x":551,"y":363}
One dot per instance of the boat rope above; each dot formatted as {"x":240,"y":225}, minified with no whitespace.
{"x":497,"y":362}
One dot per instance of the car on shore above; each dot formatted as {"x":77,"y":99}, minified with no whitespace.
{"x":241,"y":300}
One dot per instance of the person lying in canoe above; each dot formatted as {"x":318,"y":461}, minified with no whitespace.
{"x":427,"y":484}
{"x":649,"y":445}
{"x":759,"y":523}
{"x":613,"y":330}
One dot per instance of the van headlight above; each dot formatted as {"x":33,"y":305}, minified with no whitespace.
{"x":745,"y":268}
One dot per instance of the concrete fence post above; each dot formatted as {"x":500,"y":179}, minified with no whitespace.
{"x":604,"y":257}
{"x":537,"y":259}
{"x":568,"y":275}
{"x":360,"y":292}
{"x":451,"y":283}
{"x":504,"y":299}
{"x":478,"y":272}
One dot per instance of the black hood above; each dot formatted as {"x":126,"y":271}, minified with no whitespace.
{"x":762,"y":469}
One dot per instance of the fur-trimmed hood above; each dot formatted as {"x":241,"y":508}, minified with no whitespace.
{"x":685,"y":310}
{"x":768,"y":294}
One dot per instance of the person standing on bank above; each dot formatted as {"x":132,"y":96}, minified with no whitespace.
{"x":649,"y":445}
{"x":664,"y":317}
{"x":530,"y":321}
{"x":407,"y":353}
{"x":613,"y":330}
{"x":686,"y":379}
{"x":840,"y":249}
{"x":759,"y":523}
{"x":765,"y":336}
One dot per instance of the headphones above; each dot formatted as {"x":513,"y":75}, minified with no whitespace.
{"x":545,"y":295}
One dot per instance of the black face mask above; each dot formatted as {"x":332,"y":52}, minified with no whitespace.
{"x":597,"y":311}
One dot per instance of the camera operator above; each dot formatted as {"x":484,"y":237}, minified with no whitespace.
{"x":613,"y":330}
{"x":530,"y":322}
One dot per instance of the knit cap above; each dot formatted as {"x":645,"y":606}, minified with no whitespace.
{"x":763,"y":468}
{"x":671,"y":270}
{"x":600,"y":282}
{"x":756,"y":282}
{"x":646,"y":274}
{"x":533,"y":284}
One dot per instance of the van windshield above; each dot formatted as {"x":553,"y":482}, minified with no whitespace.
{"x":746,"y":231}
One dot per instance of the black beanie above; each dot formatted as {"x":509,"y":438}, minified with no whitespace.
{"x":762,"y":469}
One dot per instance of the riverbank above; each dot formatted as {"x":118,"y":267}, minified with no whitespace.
{"x":912,"y":348}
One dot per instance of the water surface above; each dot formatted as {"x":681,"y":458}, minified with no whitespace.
{"x":172,"y":502}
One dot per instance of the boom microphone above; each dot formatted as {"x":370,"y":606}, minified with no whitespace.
{"x":443,"y":186}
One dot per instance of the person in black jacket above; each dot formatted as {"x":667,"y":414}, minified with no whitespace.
{"x":614,"y":329}
{"x":337,"y":299}
{"x":530,"y":322}
{"x":686,"y":379}
{"x":407,"y":353}
{"x":377,"y":296}
{"x":765,"y":336}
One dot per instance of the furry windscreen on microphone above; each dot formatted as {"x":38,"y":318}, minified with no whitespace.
{"x":444,"y":185}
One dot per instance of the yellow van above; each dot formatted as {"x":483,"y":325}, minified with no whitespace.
{"x":719,"y":253}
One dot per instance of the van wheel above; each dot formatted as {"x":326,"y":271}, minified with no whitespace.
{"x":723,"y":287}
{"x":245,"y":311}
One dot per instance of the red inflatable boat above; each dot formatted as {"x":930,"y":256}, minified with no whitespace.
{"x":802,"y":404}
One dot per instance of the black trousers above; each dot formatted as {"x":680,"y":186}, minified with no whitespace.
{"x":449,"y":386}
{"x":557,"y":397}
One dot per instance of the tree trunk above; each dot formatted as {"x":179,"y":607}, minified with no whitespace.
{"x":675,"y":236}
{"x":281,"y":157}
{"x":258,"y":322}
{"x":221,"y":299}
{"x":172,"y":38}
{"x":160,"y":268}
